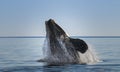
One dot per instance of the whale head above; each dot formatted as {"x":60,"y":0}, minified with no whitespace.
{"x":53,"y":29}
{"x":54,"y":32}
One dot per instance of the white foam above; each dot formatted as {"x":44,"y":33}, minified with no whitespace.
{"x":89,"y":57}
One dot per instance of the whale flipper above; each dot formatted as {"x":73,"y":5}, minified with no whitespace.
{"x":79,"y":45}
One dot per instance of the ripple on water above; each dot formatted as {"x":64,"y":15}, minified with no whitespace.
{"x":66,"y":68}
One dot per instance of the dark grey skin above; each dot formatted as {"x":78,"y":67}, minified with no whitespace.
{"x":56,"y":35}
{"x":55,"y":31}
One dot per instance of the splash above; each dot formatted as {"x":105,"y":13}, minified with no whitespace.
{"x":64,"y":56}
{"x":89,"y":57}
{"x":68,"y":56}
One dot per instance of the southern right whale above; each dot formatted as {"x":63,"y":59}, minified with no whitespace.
{"x":59,"y":48}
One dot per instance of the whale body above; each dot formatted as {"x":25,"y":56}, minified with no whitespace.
{"x":59,"y":48}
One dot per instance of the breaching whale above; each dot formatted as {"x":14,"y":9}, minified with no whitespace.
{"x":59,"y":48}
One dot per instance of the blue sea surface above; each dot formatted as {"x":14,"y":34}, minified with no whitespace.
{"x":21,"y":55}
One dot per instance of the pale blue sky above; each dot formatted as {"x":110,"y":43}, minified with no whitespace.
{"x":76,"y":17}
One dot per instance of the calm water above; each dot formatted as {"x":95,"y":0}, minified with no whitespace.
{"x":21,"y":55}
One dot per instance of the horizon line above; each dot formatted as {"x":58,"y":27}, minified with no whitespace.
{"x":70,"y":36}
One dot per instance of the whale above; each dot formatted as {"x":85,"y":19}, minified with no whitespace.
{"x":59,"y":48}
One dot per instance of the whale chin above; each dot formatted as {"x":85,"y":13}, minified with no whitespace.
{"x":59,"y":48}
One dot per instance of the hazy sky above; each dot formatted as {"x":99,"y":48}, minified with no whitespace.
{"x":76,"y":17}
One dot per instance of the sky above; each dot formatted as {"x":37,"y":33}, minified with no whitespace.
{"x":76,"y":17}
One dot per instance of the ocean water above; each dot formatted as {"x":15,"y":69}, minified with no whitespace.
{"x":21,"y":55}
